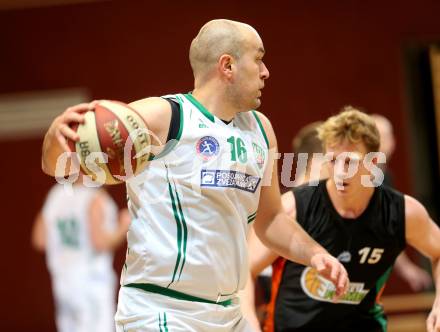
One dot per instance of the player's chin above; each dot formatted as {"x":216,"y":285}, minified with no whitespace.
{"x":256,"y":103}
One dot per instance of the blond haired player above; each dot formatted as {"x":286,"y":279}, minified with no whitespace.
{"x":366,"y":227}
{"x":187,"y":256}
{"x":78,"y":231}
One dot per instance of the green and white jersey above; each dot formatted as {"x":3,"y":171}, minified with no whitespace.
{"x":70,"y":255}
{"x":192,"y":206}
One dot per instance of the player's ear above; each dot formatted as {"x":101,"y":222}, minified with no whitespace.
{"x":225,"y":65}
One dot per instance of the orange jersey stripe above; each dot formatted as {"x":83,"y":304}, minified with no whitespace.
{"x":277,"y":275}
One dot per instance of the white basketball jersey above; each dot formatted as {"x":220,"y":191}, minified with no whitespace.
{"x":69,"y":253}
{"x":192,"y":206}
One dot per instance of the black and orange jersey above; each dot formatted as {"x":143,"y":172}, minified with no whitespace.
{"x":367,"y":246}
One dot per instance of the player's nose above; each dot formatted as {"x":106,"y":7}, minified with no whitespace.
{"x":264,"y":72}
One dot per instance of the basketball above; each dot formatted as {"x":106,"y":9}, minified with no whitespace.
{"x":113,"y":140}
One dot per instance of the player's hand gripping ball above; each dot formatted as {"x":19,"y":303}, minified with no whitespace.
{"x":114,"y":142}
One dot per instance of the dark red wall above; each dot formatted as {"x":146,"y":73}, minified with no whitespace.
{"x":321,"y":55}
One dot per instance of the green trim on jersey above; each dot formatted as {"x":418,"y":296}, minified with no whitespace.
{"x":182,"y":230}
{"x":164,"y":323}
{"x":185,"y":231}
{"x":179,"y":233}
{"x":176,"y":294}
{"x":378,"y":314}
{"x":201,"y":108}
{"x":252,"y":217}
{"x":377,"y":310}
{"x":261,"y":128}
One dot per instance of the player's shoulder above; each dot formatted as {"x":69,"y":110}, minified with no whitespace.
{"x":391,"y":196}
{"x":414,"y":209}
{"x":267,"y":128}
{"x":156,"y":112}
{"x":309,"y":195}
{"x":309,"y":188}
{"x":151,"y":104}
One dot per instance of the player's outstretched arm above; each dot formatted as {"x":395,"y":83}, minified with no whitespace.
{"x":156,"y":112}
{"x":424,"y":235}
{"x":260,"y":257}
{"x":284,"y":235}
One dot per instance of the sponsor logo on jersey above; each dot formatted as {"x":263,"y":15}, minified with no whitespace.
{"x":229,"y":179}
{"x":202,"y":124}
{"x":344,"y":257}
{"x":260,"y":156}
{"x":321,"y":289}
{"x":207,"y":147}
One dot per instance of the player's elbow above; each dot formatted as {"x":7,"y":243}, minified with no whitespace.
{"x":262,"y":225}
{"x":261,"y":231}
{"x":100,"y":245}
{"x":46,"y":169}
{"x":38,"y":243}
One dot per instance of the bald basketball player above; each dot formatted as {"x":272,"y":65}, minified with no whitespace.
{"x":187,"y":252}
{"x":366,"y":227}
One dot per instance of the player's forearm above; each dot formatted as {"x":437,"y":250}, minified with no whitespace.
{"x":110,"y":241}
{"x":50,"y":153}
{"x":436,"y":277}
{"x":287,"y":238}
{"x":247,"y":303}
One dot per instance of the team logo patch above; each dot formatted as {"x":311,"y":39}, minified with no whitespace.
{"x":260,"y":156}
{"x":321,"y":289}
{"x":207,"y":147}
{"x":344,"y":257}
{"x":229,"y":179}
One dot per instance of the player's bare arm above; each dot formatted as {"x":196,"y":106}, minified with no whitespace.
{"x":155,"y":111}
{"x":261,"y":257}
{"x":281,"y":233}
{"x":101,"y":238}
{"x":38,"y":237}
{"x":424,"y":235}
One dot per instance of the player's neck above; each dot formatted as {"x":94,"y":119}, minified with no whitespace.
{"x":352,"y":204}
{"x":215,"y":102}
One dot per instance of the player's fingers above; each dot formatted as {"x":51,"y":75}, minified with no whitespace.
{"x":430,"y":323}
{"x":436,"y":325}
{"x":69,"y":133}
{"x":62,"y":141}
{"x":343,"y":279}
{"x":334,"y":271}
{"x":73,"y":117}
{"x":93,"y":104}
{"x":342,"y":285}
{"x":79,"y":108}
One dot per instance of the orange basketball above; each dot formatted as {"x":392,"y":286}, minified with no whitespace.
{"x":113,"y":140}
